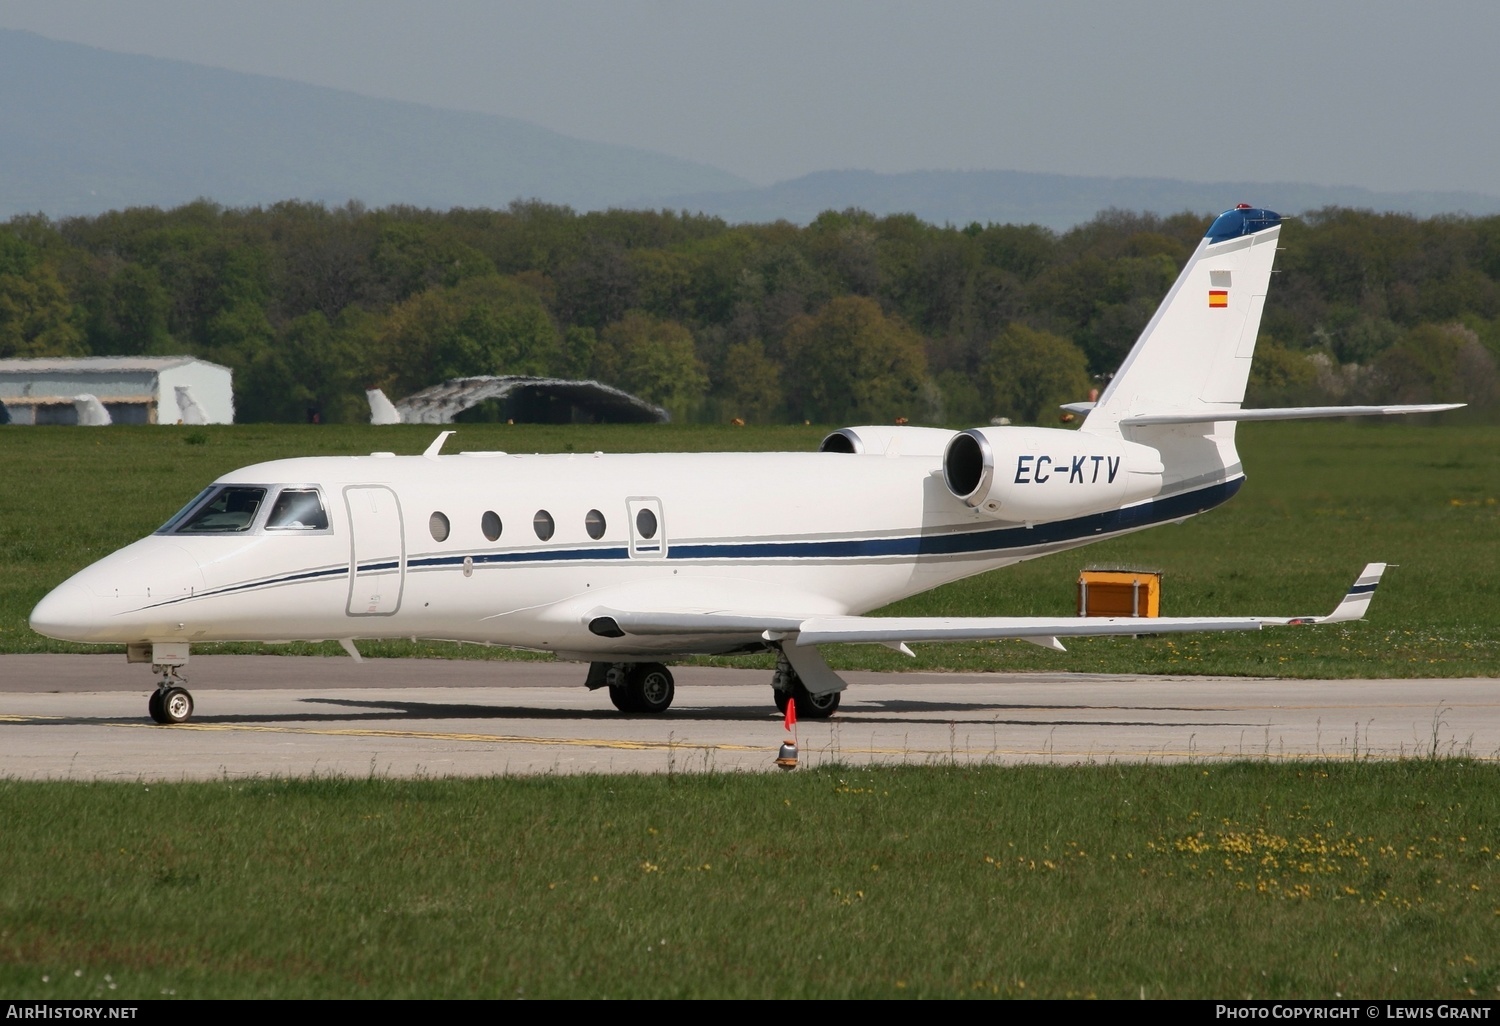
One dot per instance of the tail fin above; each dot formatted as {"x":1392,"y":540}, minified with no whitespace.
{"x":91,"y":412}
{"x":382,"y":411}
{"x":1194,"y":355}
{"x":191,"y":412}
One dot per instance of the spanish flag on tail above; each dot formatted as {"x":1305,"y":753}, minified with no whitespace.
{"x":1218,"y":297}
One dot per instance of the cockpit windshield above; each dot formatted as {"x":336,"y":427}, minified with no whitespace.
{"x":228,"y":510}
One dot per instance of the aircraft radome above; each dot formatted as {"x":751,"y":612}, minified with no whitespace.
{"x":623,"y":561}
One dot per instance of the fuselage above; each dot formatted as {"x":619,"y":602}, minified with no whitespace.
{"x":518,"y":550}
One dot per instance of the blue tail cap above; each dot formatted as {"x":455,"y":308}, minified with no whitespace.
{"x":1242,"y":220}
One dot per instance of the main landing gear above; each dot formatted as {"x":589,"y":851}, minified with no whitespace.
{"x":787,"y":685}
{"x":635,"y":687}
{"x":648,"y":688}
{"x":170,"y":702}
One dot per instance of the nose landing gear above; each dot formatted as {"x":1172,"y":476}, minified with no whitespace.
{"x":170,"y":702}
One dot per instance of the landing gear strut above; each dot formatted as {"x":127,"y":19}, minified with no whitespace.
{"x":787,"y":685}
{"x":170,"y":702}
{"x":635,"y":687}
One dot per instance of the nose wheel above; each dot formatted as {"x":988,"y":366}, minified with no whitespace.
{"x":170,"y":703}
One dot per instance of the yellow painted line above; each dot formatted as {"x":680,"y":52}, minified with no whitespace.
{"x":433,"y":735}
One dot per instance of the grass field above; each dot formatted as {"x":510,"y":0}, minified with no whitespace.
{"x":1365,"y":880}
{"x":1322,"y":499}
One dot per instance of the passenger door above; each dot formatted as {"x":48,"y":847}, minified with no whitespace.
{"x":377,"y":551}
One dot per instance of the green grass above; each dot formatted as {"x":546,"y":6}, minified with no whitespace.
{"x":1366,"y":880}
{"x":1322,"y":499}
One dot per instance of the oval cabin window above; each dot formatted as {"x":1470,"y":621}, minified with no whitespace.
{"x":593,"y":523}
{"x":645,"y":524}
{"x":438,"y":525}
{"x":543,"y":524}
{"x":490,"y":525}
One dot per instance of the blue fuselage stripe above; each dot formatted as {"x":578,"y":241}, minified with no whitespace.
{"x":961,"y":543}
{"x":971,"y":542}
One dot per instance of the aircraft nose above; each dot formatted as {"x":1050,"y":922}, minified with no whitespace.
{"x":119,"y":598}
{"x":68,"y":613}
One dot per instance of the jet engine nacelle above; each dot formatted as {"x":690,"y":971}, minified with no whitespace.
{"x":888,"y":439}
{"x":1036,"y":475}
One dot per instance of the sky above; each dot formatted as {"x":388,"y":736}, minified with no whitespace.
{"x":1386,"y":94}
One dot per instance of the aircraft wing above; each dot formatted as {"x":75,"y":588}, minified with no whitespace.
{"x":899,"y":630}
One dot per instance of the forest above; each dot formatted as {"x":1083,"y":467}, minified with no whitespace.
{"x":852,"y":318}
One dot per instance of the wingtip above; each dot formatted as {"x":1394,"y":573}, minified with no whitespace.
{"x":1357,"y":600}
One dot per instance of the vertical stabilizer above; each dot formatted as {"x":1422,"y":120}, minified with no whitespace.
{"x":1194,"y":355}
{"x":191,"y":412}
{"x":382,"y":410}
{"x":91,"y":412}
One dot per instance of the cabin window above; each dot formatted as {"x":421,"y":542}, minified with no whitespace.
{"x":543,"y":524}
{"x":490,"y":525}
{"x":593,"y":523}
{"x":645,"y":524}
{"x":230,"y":510}
{"x":438,"y":525}
{"x":297,"y":509}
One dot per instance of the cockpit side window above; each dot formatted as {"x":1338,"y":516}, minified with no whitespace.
{"x":297,"y":509}
{"x":230,"y":510}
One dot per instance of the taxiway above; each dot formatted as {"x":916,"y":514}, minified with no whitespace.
{"x":84,"y":717}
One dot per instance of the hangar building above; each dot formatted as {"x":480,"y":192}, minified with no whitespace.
{"x":134,"y":389}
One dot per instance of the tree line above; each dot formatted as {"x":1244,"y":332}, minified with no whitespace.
{"x":852,"y":318}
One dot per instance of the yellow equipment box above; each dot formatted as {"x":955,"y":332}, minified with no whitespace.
{"x":1119,"y":593}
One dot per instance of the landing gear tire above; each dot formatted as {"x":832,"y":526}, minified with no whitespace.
{"x":619,"y":694}
{"x":650,"y":688}
{"x":171,"y":705}
{"x":811,"y":706}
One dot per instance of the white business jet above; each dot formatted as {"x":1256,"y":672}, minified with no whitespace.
{"x":623,"y":561}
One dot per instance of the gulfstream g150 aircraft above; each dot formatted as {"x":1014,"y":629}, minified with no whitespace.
{"x":623,"y":561}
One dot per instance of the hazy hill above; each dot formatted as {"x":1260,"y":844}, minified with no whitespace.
{"x":84,"y":130}
{"x":1057,"y":201}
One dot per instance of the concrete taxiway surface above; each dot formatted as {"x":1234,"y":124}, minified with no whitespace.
{"x":84,"y":717}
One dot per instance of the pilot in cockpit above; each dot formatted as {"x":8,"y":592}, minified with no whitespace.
{"x":298,"y":509}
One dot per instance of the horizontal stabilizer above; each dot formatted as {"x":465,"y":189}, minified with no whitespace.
{"x":1208,"y":416}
